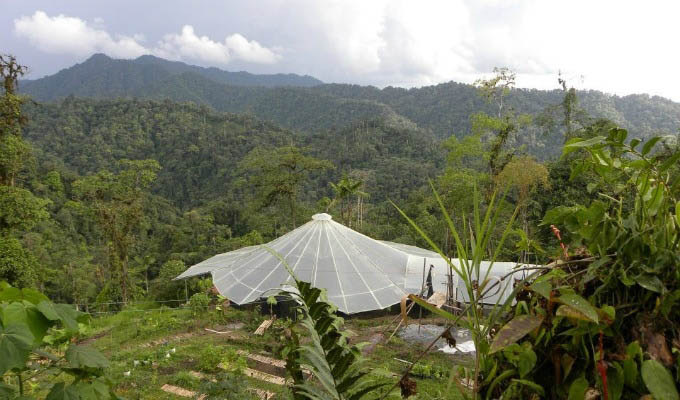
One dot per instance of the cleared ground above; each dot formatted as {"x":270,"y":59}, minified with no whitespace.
{"x":149,"y":348}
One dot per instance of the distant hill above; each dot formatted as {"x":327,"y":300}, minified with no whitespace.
{"x":103,"y":76}
{"x":199,"y":149}
{"x":304,"y":104}
{"x":301,"y":109}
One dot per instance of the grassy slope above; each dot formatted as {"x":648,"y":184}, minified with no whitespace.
{"x":149,"y":336}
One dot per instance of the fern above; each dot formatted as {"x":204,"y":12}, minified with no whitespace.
{"x":338,"y":369}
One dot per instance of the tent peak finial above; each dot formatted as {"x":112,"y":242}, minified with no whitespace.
{"x":322,"y":217}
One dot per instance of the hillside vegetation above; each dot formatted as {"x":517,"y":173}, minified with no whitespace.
{"x":103,"y":201}
{"x":305,"y":104}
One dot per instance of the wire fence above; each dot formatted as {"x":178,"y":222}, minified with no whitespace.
{"x":125,"y":306}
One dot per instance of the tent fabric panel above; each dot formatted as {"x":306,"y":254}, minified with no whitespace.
{"x":195,"y":271}
{"x":328,"y":280}
{"x":362,"y":302}
{"x":412,"y":250}
{"x":272,"y":283}
{"x":236,"y":292}
{"x":386,"y":296}
{"x":391,"y":261}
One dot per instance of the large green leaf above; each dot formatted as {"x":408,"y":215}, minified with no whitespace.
{"x":579,"y":304}
{"x":62,"y":392}
{"x":24,"y":313}
{"x":532,"y":385}
{"x":659,"y":381}
{"x":578,"y":388}
{"x":571,"y":313}
{"x":542,"y":287}
{"x":514,"y":331}
{"x":615,"y":380}
{"x":85,"y":357}
{"x":650,"y":282}
{"x":96,"y":390}
{"x":522,"y":357}
{"x":68,"y":315}
{"x":577,"y":143}
{"x":15,"y":345}
{"x":12,"y":294}
{"x":647,"y":147}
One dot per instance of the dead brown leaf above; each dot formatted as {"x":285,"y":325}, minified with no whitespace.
{"x":658,"y":349}
{"x":407,"y":386}
{"x":450,"y":340}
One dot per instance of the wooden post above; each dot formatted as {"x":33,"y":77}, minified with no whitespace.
{"x":186,"y":292}
{"x":422,"y":289}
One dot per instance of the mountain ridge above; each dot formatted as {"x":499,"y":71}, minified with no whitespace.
{"x":442,"y":109}
{"x":152,"y":69}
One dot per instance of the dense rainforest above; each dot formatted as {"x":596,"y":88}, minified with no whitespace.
{"x":305,"y":104}
{"x":215,"y":181}
{"x":201,"y":201}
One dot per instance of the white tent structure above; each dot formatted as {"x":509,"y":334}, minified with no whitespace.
{"x":439,"y":269}
{"x":359,"y":273}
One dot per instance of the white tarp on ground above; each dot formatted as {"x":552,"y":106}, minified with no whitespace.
{"x":359,"y":273}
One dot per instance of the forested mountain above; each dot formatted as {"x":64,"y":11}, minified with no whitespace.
{"x":224,"y":166}
{"x":304,"y":104}
{"x":199,"y":149}
{"x":202,"y":200}
{"x":102,"y":76}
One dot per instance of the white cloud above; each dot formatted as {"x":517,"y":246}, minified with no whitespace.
{"x":249,"y":50}
{"x":618,"y":46}
{"x":188,"y":45}
{"x":70,"y":35}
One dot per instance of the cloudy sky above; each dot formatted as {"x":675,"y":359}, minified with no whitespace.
{"x":618,"y":46}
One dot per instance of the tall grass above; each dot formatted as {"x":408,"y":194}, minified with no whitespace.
{"x":472,"y":251}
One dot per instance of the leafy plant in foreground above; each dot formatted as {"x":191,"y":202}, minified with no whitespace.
{"x":338,"y":369}
{"x":601,"y":323}
{"x":478,"y":284}
{"x":30,"y":327}
{"x":617,"y":331}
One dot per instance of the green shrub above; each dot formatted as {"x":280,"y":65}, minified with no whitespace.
{"x":424,"y":370}
{"x":596,"y":319}
{"x":228,"y":386}
{"x":210,"y":358}
{"x":185,"y":380}
{"x":233,"y":362}
{"x":164,"y":287}
{"x":199,"y":302}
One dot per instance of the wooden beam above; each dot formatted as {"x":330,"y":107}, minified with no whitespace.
{"x":263,"y":376}
{"x":178,"y":391}
{"x":264,"y":326}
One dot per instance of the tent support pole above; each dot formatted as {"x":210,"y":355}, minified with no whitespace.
{"x":401,"y":320}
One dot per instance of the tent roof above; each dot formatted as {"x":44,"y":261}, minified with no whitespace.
{"x":359,"y":273}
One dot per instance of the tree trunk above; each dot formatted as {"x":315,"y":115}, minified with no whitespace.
{"x":292,"y":212}
{"x":123,"y":278}
{"x":349,"y":213}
